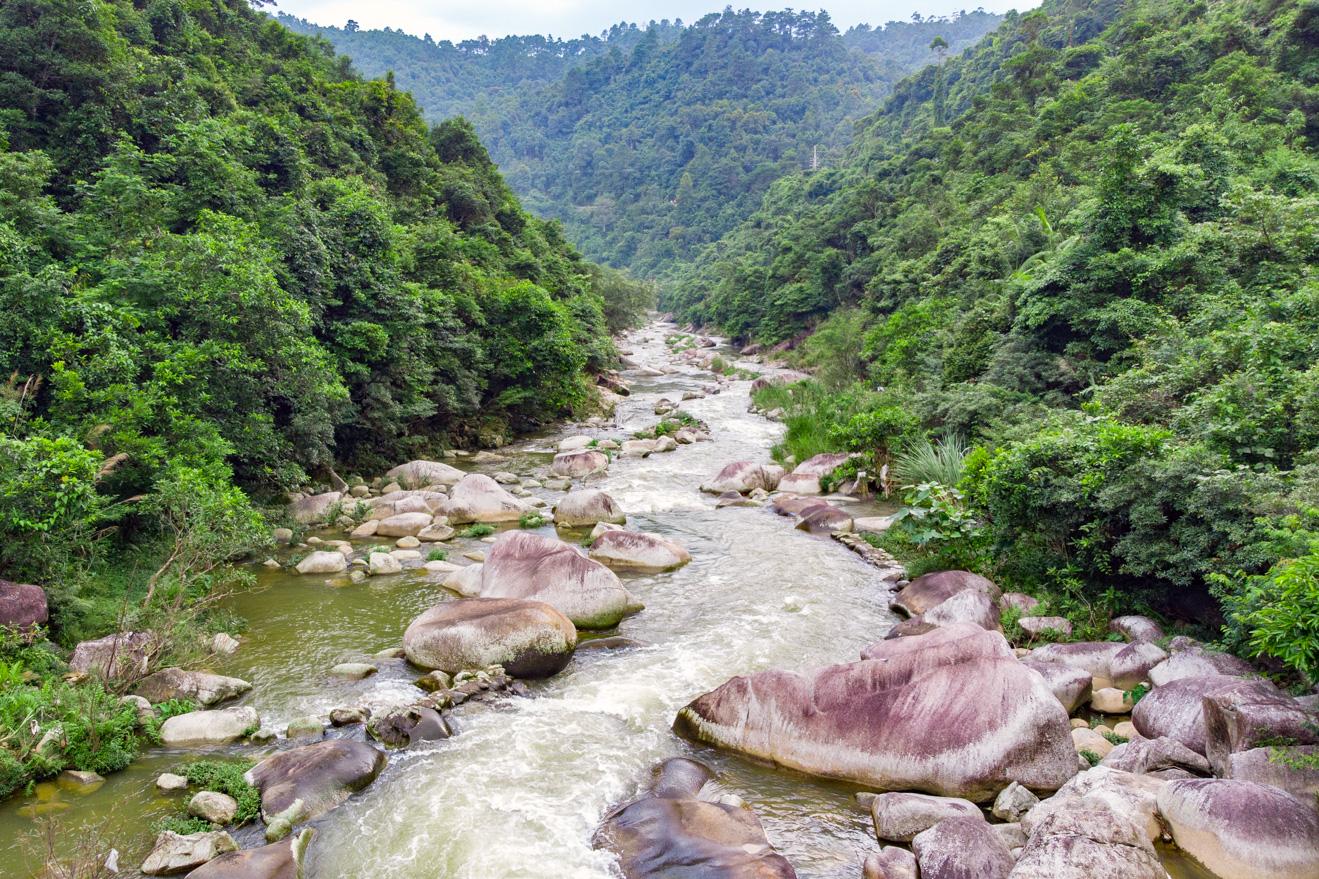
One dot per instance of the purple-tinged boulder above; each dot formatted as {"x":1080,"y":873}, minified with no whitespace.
{"x":1160,"y":756}
{"x":530,"y":639}
{"x":1070,"y":685}
{"x":202,"y":687}
{"x":310,"y":509}
{"x":1019,"y":600}
{"x":22,"y":606}
{"x":415,"y":474}
{"x":805,"y":477}
{"x":279,"y":860}
{"x":1125,"y":793}
{"x":1240,"y":719}
{"x":956,"y":715}
{"x":1109,"y":663}
{"x":1193,"y":661}
{"x":824,"y":517}
{"x":1176,"y":709}
{"x":962,"y":848}
{"x":1240,"y":830}
{"x":930,"y":590}
{"x":304,"y":783}
{"x":899,"y":816}
{"x":579,"y":464}
{"x":680,"y":829}
{"x":1085,"y":839}
{"x":1294,"y":768}
{"x":586,"y":507}
{"x":635,"y":551}
{"x":792,"y":504}
{"x":526,"y":565}
{"x":890,"y":862}
{"x":743,"y":477}
{"x":1136,"y":628}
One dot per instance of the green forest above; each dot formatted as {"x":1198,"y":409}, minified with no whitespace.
{"x":648,"y":143}
{"x":1081,"y":256}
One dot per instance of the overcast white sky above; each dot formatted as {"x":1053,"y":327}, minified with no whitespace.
{"x":460,"y":19}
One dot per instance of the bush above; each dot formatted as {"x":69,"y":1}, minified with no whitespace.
{"x":926,"y":462}
{"x":478,"y":530}
{"x":531,"y":520}
{"x":226,"y":777}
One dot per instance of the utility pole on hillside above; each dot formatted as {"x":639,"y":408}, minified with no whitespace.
{"x":815,"y":157}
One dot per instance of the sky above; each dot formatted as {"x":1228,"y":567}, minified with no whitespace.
{"x":462,"y":19}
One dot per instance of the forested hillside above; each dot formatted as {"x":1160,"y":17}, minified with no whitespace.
{"x":1087,"y":246}
{"x":225,"y":259}
{"x":654,"y":142}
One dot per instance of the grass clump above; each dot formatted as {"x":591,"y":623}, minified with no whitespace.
{"x":437,"y":555}
{"x":479,"y":530}
{"x":532,"y":520}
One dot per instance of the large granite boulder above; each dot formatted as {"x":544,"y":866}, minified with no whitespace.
{"x":585,"y":507}
{"x":404,"y":524}
{"x":890,"y":862}
{"x":962,"y":848}
{"x":951,"y":712}
{"x":279,"y":860}
{"x":1176,"y":709}
{"x":311,"y":509}
{"x":1125,"y":793}
{"x":478,"y":498}
{"x":1070,"y":685}
{"x":529,"y":639}
{"x":743,"y":477}
{"x":1136,"y":628}
{"x":175,"y":853}
{"x":1193,"y":661}
{"x":1109,"y":663}
{"x":635,"y":551}
{"x":526,"y":565}
{"x":1293,"y":768}
{"x":1240,"y":830}
{"x":968,"y":606}
{"x":930,"y":590}
{"x":121,"y":657}
{"x":302,"y":784}
{"x":416,"y":474}
{"x":678,"y":829}
{"x":899,"y":816}
{"x":1085,"y":839}
{"x":579,"y":464}
{"x":22,"y":606}
{"x":323,"y":562}
{"x":1159,"y":756}
{"x":805,"y":477}
{"x":202,"y":687}
{"x":208,"y":728}
{"x":414,"y":501}
{"x":1240,"y":719}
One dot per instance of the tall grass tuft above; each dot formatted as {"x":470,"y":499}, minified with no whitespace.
{"x":923,"y":462}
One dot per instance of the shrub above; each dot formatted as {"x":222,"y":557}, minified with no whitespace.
{"x":531,"y":520}
{"x":926,"y":462}
{"x":437,"y":555}
{"x":226,"y":777}
{"x":478,"y":530}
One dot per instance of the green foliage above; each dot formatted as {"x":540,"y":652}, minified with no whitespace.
{"x":854,"y":419}
{"x":648,"y":143}
{"x":183,"y":825}
{"x":1091,"y":757}
{"x":478,"y":530}
{"x":942,"y":462}
{"x":226,"y":777}
{"x":437,"y":555}
{"x":532,"y":520}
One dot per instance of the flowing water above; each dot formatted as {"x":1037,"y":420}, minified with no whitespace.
{"x":522,"y":786}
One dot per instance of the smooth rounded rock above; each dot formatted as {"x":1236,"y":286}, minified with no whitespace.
{"x":635,"y":551}
{"x":529,"y":639}
{"x":962,"y":848}
{"x":203,"y":728}
{"x":312,"y":779}
{"x":478,"y":498}
{"x":204,"y":688}
{"x":579,"y":464}
{"x":587,"y":507}
{"x":898,"y":817}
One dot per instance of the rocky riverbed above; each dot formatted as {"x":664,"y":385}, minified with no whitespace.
{"x":604,"y":681}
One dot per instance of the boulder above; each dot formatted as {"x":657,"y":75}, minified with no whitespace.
{"x":1037,"y":626}
{"x":805,"y":477}
{"x":1111,"y":700}
{"x":743,"y":477}
{"x":579,"y":464}
{"x":870,"y":722}
{"x":120,"y":657}
{"x":792,"y":504}
{"x":1132,"y":796}
{"x":465,"y":581}
{"x":224,"y":644}
{"x":1176,"y":709}
{"x":280,"y":860}
{"x":168,"y":783}
{"x":890,"y":862}
{"x":478,"y":498}
{"x":1193,"y":662}
{"x":1294,"y":769}
{"x":824,"y":517}
{"x":1084,"y":840}
{"x":310,"y":509}
{"x":202,"y":728}
{"x":1155,"y":756}
{"x":323,"y":562}
{"x":968,"y":606}
{"x":586,"y":507}
{"x":930,"y":590}
{"x":1071,"y":686}
{"x":415,"y":474}
{"x":575,"y":443}
{"x":379,"y":564}
{"x":1136,"y":628}
{"x":1109,"y":663}
{"x":303,"y":783}
{"x":1241,"y":830}
{"x":1084,"y":739}
{"x":353,"y":671}
{"x":678,"y":829}
{"x":1240,"y":719}
{"x":1013,"y":802}
{"x":215,"y":807}
{"x":173,"y":853}
{"x":202,"y":687}
{"x":1019,"y":600}
{"x":637,"y":448}
{"x":962,"y":848}
{"x":526,"y":565}
{"x":898,"y":817}
{"x":22,"y":606}
{"x":634,"y":551}
{"x":404,"y":525}
{"x":530,"y":639}
{"x":400,"y":729}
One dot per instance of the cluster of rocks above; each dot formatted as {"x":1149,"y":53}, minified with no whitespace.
{"x":795,"y":494}
{"x":986,"y":774}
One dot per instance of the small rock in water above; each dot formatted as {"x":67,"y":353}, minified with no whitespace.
{"x":390,"y":653}
{"x":353,"y":670}
{"x":348,"y":716}
{"x":1111,"y":700}
{"x":306,"y":727}
{"x":168,"y":782}
{"x":271,"y":564}
{"x":224,"y":644}
{"x":215,"y":807}
{"x":794,"y":604}
{"x":79,"y":781}
{"x":383,"y":564}
{"x":407,"y":543}
{"x":475,"y":556}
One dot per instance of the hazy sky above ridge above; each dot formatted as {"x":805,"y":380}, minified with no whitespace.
{"x":449,"y":20}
